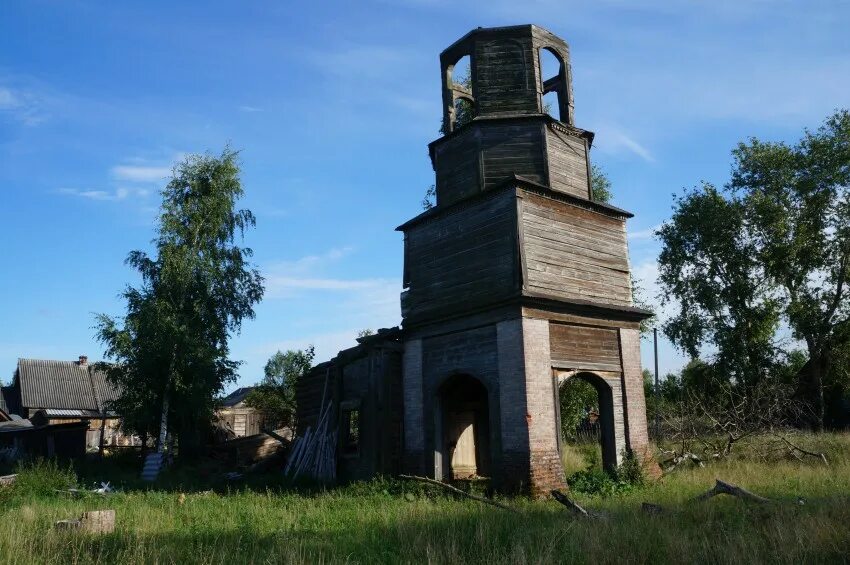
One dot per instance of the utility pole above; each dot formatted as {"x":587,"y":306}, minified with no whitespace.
{"x":657,"y":389}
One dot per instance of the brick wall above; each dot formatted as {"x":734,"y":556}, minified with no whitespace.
{"x":635,"y":403}
{"x":414,"y":433}
{"x":547,"y":471}
{"x":513,"y":471}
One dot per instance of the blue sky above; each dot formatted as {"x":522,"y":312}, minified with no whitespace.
{"x":332,"y":105}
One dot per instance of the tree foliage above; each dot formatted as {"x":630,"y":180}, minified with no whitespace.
{"x":275,"y":397}
{"x":171,"y":349}
{"x":772,"y":247}
{"x":577,"y":398}
{"x":600,"y":185}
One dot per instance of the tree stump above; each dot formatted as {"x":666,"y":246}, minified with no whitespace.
{"x":95,"y":522}
{"x":98,"y":521}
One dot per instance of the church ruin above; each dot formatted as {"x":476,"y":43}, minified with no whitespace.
{"x":515,"y":281}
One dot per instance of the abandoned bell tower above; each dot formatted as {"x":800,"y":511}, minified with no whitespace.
{"x":516,"y":280}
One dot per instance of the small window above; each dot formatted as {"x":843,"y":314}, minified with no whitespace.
{"x":350,"y":432}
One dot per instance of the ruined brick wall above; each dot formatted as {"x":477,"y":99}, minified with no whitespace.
{"x":637,"y":434}
{"x":514,"y":473}
{"x":414,"y":432}
{"x":546,"y":468}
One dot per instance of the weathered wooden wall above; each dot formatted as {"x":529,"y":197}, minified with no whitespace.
{"x":309,"y":392}
{"x":462,"y":259}
{"x":457,"y":166}
{"x":513,"y":148}
{"x":567,"y":156}
{"x":504,"y":75}
{"x":574,"y":253}
{"x":584,"y":347}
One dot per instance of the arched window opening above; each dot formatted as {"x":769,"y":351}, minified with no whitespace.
{"x":552,"y":81}
{"x":462,"y":74}
{"x":587,"y":423}
{"x":463,"y":443}
{"x":459,"y":84}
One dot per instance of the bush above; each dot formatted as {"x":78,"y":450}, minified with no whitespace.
{"x":592,"y":480}
{"x":43,"y":477}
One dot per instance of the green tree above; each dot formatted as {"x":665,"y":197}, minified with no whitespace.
{"x":275,"y":395}
{"x":576,"y":397}
{"x":171,"y":350}
{"x":600,"y":185}
{"x":724,"y":298}
{"x":774,"y":246}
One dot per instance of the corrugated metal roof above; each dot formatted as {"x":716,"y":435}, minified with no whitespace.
{"x":65,"y":413}
{"x":236,"y":396}
{"x":62,"y":384}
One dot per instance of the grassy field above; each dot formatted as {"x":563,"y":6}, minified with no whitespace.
{"x":387,"y":522}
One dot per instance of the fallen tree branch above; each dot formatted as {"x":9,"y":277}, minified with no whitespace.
{"x":457,"y":491}
{"x":793,"y":447}
{"x":721,"y":487}
{"x":569,"y":503}
{"x":575,"y":508}
{"x":677,"y":460}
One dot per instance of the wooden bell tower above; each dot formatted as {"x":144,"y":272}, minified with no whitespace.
{"x":516,"y":280}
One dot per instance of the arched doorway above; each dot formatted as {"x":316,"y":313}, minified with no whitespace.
{"x":463,"y":442}
{"x":595,"y":416}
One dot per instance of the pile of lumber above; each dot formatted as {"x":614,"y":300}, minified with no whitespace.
{"x":249,"y":449}
{"x":314,"y":454}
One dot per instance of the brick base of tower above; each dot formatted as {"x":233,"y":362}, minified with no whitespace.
{"x":519,"y":362}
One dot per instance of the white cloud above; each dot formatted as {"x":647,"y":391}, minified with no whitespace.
{"x":249,"y":109}
{"x":287,"y":287}
{"x":327,"y":344}
{"x":615,"y":141}
{"x":119,"y":193}
{"x":21,"y":105}
{"x":648,"y":233}
{"x":372,"y":301}
{"x":310,"y":263}
{"x":8,"y":100}
{"x":140,"y":173}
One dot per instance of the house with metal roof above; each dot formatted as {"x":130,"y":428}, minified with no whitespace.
{"x":49,"y":392}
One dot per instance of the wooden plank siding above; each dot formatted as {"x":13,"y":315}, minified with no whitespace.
{"x":457,"y":166}
{"x":504,"y":75}
{"x":567,"y":156}
{"x":513,"y":148}
{"x":464,"y":259}
{"x":584,"y":347}
{"x":574,"y":253}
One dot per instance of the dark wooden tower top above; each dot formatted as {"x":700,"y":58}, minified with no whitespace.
{"x":515,"y":221}
{"x":506,"y":75}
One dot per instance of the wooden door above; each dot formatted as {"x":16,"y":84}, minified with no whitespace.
{"x":463,"y":456}
{"x":239,"y":425}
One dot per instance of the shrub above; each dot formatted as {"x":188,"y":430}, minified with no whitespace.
{"x":592,"y":480}
{"x":43,"y":477}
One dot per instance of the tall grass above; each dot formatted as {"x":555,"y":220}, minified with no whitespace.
{"x":377,"y":523}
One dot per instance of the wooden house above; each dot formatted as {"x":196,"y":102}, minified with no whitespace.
{"x":238,"y":416}
{"x":48,"y":392}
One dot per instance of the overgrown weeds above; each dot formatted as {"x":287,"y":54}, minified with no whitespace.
{"x":377,"y":522}
{"x":592,"y":480}
{"x":42,"y":478}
